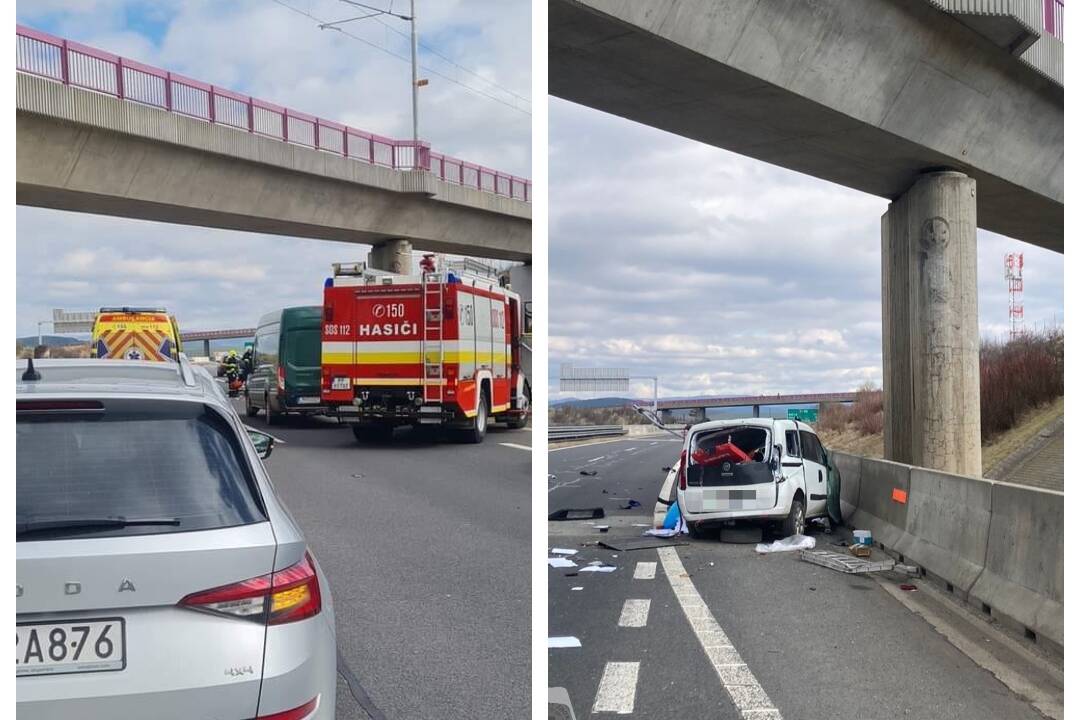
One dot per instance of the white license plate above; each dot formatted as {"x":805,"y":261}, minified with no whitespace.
{"x":309,"y":400}
{"x":339,"y":383}
{"x":70,"y":647}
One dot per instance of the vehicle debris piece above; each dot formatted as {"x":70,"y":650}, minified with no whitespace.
{"x":599,"y":567}
{"x":644,"y":543}
{"x":908,"y":587}
{"x":794,"y":542}
{"x":577,"y":514}
{"x":845,"y":563}
{"x":860,"y":550}
{"x":561,"y":562}
{"x":630,"y":505}
{"x":563,"y":551}
{"x":563,"y":642}
{"x":912,"y":570}
{"x":589,"y":473}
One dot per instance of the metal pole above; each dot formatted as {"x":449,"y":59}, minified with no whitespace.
{"x":415,"y":87}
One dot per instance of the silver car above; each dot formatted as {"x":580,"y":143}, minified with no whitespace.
{"x":158,"y":575}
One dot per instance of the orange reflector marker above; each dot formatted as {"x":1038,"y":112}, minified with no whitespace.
{"x":899,"y":496}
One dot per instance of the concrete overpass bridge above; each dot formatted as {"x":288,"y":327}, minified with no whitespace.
{"x":951,"y":109}
{"x":699,"y":404}
{"x":205,"y":336}
{"x":102,"y":134}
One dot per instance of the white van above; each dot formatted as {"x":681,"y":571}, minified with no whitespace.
{"x":757,"y":468}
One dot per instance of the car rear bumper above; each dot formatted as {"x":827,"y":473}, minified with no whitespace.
{"x":301,"y":663}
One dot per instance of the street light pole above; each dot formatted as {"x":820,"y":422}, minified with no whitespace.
{"x":415,"y":87}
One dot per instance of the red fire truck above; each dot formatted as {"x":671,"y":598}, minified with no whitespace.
{"x":440,"y":348}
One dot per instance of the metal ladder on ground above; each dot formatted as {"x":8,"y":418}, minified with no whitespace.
{"x":432,"y":287}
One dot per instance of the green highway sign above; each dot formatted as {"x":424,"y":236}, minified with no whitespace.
{"x":807,"y":415}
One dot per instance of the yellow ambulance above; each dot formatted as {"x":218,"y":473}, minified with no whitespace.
{"x":131,"y":333}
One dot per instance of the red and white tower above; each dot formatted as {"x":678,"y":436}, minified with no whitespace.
{"x":1014,"y":276}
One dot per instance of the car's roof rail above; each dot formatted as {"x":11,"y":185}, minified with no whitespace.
{"x":186,"y":373}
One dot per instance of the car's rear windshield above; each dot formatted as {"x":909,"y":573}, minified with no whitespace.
{"x":304,"y":347}
{"x":167,"y":461}
{"x":733,"y":455}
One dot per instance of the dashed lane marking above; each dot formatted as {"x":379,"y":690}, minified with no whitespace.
{"x":526,"y":448}
{"x":739,"y":683}
{"x":645,"y":571}
{"x":618,"y":685}
{"x":635,"y":613}
{"x":597,"y":458}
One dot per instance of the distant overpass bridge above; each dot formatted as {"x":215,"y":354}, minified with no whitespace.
{"x":101,"y":134}
{"x":205,"y":336}
{"x":754,"y":401}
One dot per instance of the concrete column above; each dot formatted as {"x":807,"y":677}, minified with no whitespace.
{"x":930,"y":326}
{"x":206,"y":348}
{"x":696,"y":415}
{"x":757,"y":411}
{"x":391,"y":255}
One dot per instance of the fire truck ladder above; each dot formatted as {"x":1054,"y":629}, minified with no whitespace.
{"x":431,"y":344}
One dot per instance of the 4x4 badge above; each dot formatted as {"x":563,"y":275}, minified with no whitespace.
{"x":126,"y":585}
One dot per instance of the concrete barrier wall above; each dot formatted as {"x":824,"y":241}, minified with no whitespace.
{"x":996,"y":545}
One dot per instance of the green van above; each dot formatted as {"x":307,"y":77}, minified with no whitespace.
{"x":286,"y":375}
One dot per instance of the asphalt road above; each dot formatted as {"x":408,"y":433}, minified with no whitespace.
{"x":820,"y":644}
{"x":425,"y":545}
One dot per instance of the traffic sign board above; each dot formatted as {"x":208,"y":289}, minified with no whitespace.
{"x":808,"y":415}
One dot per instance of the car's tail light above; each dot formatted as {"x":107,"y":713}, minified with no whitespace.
{"x":281,"y":378}
{"x":282,"y":597}
{"x":682,"y":470}
{"x":297,"y":713}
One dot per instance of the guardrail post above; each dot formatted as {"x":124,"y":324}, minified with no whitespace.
{"x":211,"y":104}
{"x":120,"y":77}
{"x":251,"y":114}
{"x":285,"y":124}
{"x":168,"y":91}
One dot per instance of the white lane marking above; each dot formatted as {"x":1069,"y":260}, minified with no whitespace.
{"x":741,"y":685}
{"x":597,"y":458}
{"x":635,"y":613}
{"x":645,"y":571}
{"x":617,"y":688}
{"x":526,"y":448}
{"x":605,"y":442}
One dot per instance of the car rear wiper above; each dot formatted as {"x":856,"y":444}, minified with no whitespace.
{"x":30,"y":527}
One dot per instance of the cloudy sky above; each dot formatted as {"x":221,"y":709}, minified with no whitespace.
{"x":215,"y":278}
{"x":725,"y":275}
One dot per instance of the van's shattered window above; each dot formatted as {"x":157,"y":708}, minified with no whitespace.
{"x":730,"y":456}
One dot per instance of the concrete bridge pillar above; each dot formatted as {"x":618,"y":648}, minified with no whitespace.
{"x":206,"y":348}
{"x":757,"y":411}
{"x":696,"y":415}
{"x":667,"y":417}
{"x":930,"y":326}
{"x":392,"y":256}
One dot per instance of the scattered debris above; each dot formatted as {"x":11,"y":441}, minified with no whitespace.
{"x":579,"y":587}
{"x":577,"y":514}
{"x":908,"y":587}
{"x":630,"y":505}
{"x":599,"y":567}
{"x":912,"y":570}
{"x":589,"y":473}
{"x":570,"y":574}
{"x":602,"y":528}
{"x":563,"y":642}
{"x":644,"y":543}
{"x":844,"y":563}
{"x":863,"y":537}
{"x":795,"y":542}
{"x":859,"y":550}
{"x":561,"y":562}
{"x":563,"y":551}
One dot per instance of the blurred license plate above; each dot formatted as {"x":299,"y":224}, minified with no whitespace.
{"x":339,"y":383}
{"x":309,"y":400}
{"x":70,"y":647}
{"x":742,"y":494}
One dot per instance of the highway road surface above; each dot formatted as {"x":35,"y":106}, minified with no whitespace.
{"x":714,"y":630}
{"x":426,"y":548}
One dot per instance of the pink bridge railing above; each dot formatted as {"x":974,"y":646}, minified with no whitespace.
{"x":1054,"y":18}
{"x":72,"y":63}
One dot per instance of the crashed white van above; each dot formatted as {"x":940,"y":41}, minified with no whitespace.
{"x":752,"y":469}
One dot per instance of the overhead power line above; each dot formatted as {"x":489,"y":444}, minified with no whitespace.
{"x":401,"y":57}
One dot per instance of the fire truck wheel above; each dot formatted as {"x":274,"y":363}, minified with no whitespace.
{"x":476,"y":433}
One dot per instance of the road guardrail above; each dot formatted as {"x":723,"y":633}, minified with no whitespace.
{"x":575,"y":432}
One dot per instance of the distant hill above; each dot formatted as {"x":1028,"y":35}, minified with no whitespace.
{"x":50,"y":341}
